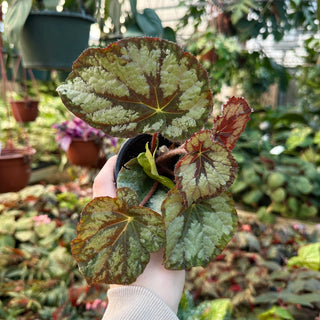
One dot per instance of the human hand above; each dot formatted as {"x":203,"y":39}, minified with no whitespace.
{"x":167,"y":284}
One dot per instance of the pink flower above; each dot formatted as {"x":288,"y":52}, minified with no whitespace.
{"x":97,"y":305}
{"x":41,"y":219}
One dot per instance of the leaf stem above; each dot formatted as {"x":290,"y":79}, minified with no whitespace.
{"x":149,"y":194}
{"x":154,"y":142}
{"x":171,"y":153}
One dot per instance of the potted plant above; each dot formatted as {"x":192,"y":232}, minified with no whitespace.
{"x":15,"y":162}
{"x":24,"y":102}
{"x":152,"y":87}
{"x":82,"y":143}
{"x":48,"y":38}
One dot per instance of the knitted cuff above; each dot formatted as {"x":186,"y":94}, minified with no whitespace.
{"x":136,"y":303}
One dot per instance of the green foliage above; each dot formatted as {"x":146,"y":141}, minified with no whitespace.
{"x":252,"y":272}
{"x":250,"y":19}
{"x":39,"y":133}
{"x":38,"y":276}
{"x":229,"y":64}
{"x":308,"y":257}
{"x":146,"y":23}
{"x":219,"y":309}
{"x":284,"y":182}
{"x":277,"y":313}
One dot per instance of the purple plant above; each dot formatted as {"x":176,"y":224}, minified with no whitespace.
{"x":78,"y":129}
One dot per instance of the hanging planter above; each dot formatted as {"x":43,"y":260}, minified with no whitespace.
{"x":25,"y":110}
{"x":53,"y":40}
{"x":15,"y":168}
{"x":84,"y":153}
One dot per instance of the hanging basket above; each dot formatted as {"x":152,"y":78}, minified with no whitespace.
{"x":25,"y":110}
{"x":53,"y":40}
{"x":84,"y":153}
{"x":15,"y":169}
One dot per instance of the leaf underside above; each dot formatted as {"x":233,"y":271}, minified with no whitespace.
{"x":228,"y":127}
{"x":207,"y":170}
{"x":139,"y":85}
{"x":115,"y":237}
{"x":197,"y":234}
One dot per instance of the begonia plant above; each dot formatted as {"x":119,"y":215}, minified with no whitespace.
{"x":76,"y":128}
{"x":152,"y":86}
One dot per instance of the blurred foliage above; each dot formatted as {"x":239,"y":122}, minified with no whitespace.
{"x":279,"y":153}
{"x":250,"y":19}
{"x":39,"y":134}
{"x":254,"y":274}
{"x":279,"y":161}
{"x":229,"y":64}
{"x":39,"y":277}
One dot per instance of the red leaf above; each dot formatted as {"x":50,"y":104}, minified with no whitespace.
{"x":228,"y":127}
{"x":207,"y":169}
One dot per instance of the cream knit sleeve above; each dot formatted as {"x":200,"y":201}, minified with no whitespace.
{"x":136,"y":303}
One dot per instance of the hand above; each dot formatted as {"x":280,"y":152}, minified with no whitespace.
{"x":167,"y":284}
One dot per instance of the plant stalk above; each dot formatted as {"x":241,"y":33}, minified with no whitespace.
{"x":171,"y":153}
{"x":150,"y":193}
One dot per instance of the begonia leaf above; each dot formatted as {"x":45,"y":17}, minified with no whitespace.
{"x":139,"y":85}
{"x":133,"y":176}
{"x":197,"y":234}
{"x":115,"y":237}
{"x":207,"y":170}
{"x":228,"y":127}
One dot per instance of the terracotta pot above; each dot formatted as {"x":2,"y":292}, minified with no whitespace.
{"x":24,"y":110}
{"x":15,"y":169}
{"x":84,"y":153}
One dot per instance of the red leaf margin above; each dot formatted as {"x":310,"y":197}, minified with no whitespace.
{"x":228,"y":127}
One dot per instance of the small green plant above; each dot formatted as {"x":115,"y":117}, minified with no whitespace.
{"x":151,"y":86}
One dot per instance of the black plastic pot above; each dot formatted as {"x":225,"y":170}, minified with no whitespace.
{"x":132,"y":147}
{"x":54,"y":40}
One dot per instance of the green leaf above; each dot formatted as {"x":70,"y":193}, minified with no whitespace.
{"x":219,"y":309}
{"x":149,"y":23}
{"x":139,"y":85}
{"x":169,"y":34}
{"x":240,"y":9}
{"x":15,"y":18}
{"x":115,"y":237}
{"x":7,"y":224}
{"x":197,"y":234}
{"x":133,"y":176}
{"x":207,"y":170}
{"x":7,"y":240}
{"x":308,"y":256}
{"x":299,"y":137}
{"x":45,"y":229}
{"x":276,"y":313}
{"x":148,"y":163}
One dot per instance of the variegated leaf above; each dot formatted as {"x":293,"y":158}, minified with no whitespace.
{"x":197,"y":234}
{"x":228,"y":127}
{"x":139,"y":85}
{"x":115,"y":237}
{"x":207,"y":170}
